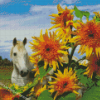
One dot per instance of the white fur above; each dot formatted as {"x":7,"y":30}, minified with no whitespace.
{"x":20,"y":63}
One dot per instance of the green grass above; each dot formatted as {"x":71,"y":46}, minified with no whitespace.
{"x":5,"y":72}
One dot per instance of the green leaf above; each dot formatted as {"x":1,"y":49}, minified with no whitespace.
{"x":97,"y":19}
{"x":80,"y":14}
{"x":86,"y":14}
{"x":98,"y":83}
{"x":92,"y":94}
{"x":83,"y":79}
{"x":70,"y":96}
{"x":79,"y":72}
{"x":35,"y":82}
{"x":45,"y":95}
{"x":43,"y":72}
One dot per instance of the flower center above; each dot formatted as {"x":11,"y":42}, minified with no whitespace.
{"x":47,"y":49}
{"x":98,"y":62}
{"x":64,"y":23}
{"x":59,"y":13}
{"x":64,"y":85}
{"x":91,"y":34}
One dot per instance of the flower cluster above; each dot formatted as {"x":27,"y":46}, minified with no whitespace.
{"x":53,"y":47}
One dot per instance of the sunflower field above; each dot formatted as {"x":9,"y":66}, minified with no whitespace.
{"x":58,"y":75}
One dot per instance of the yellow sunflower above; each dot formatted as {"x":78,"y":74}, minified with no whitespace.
{"x":36,"y":70}
{"x":63,"y":20}
{"x":39,"y":91}
{"x":93,"y":66}
{"x":97,"y":14}
{"x":88,"y":36}
{"x":50,"y":49}
{"x":65,"y":82}
{"x":34,"y":60}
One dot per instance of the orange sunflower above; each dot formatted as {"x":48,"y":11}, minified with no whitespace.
{"x":88,"y":36}
{"x":64,"y":83}
{"x":7,"y":95}
{"x":63,"y":19}
{"x":49,"y":48}
{"x":93,"y":65}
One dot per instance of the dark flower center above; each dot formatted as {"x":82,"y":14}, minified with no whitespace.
{"x":91,"y":35}
{"x":98,"y":62}
{"x":64,"y":85}
{"x":48,"y":49}
{"x":59,"y":13}
{"x":65,"y":23}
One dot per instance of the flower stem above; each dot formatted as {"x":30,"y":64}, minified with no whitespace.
{"x":70,"y":56}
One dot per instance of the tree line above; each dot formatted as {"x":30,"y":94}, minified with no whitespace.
{"x":5,"y":62}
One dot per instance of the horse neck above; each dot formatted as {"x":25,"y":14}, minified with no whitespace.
{"x":15,"y":72}
{"x":29,"y":64}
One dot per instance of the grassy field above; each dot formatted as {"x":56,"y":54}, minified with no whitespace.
{"x":5,"y":74}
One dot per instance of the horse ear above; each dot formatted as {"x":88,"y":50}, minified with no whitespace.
{"x":25,"y":41}
{"x":14,"y":41}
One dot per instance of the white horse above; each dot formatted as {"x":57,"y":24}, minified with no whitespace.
{"x":21,"y":64}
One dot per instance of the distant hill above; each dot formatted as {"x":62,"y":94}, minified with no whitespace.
{"x":5,"y":62}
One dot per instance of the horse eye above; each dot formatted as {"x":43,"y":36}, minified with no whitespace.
{"x":15,"y":54}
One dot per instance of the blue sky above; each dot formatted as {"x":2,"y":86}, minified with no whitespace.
{"x":25,"y":18}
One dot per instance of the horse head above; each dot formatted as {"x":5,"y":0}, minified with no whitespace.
{"x":19,"y":56}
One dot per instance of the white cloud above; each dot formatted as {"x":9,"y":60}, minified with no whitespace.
{"x":4,"y":1}
{"x":36,"y":8}
{"x":29,"y":25}
{"x":69,"y":1}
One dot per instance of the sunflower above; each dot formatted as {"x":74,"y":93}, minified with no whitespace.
{"x":97,"y":15}
{"x":63,"y":19}
{"x":65,"y":82}
{"x":34,"y":60}
{"x":39,"y":91}
{"x":36,"y":70}
{"x":7,"y":95}
{"x":31,"y":92}
{"x":50,"y":49}
{"x":88,"y":36}
{"x":93,"y":65}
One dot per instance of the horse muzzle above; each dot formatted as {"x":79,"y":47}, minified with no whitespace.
{"x":23,"y":74}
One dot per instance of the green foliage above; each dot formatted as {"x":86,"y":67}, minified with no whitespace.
{"x":98,"y":83}
{"x":83,"y":78}
{"x":92,"y":94}
{"x":45,"y":95}
{"x":70,"y":96}
{"x":80,"y":14}
{"x":97,"y":19}
{"x":43,"y":72}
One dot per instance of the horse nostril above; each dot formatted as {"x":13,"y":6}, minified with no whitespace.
{"x":21,"y":72}
{"x":24,"y":73}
